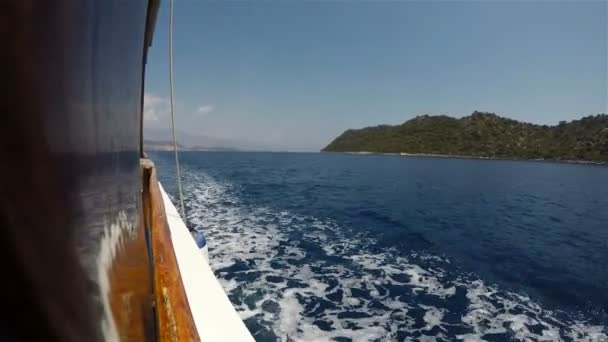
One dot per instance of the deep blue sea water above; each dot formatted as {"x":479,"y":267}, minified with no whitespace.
{"x":323,"y":246}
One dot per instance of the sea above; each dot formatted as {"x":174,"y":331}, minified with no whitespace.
{"x":339,"y":247}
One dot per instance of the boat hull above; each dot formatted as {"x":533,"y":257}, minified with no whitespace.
{"x":72,"y":219}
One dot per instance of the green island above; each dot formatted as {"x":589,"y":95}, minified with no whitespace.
{"x":483,"y":135}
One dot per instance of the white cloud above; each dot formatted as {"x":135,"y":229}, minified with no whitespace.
{"x":157,"y":113}
{"x":156,"y":108}
{"x":204,"y":110}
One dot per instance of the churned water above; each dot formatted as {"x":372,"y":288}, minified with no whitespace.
{"x":335,"y":247}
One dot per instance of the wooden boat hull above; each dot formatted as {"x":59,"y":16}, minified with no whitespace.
{"x":84,"y":233}
{"x":72,"y":218}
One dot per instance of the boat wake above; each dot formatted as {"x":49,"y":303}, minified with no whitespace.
{"x":299,"y":278}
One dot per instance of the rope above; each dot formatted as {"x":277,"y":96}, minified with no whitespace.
{"x":179,"y":180}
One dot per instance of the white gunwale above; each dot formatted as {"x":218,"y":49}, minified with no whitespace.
{"x":213,"y":313}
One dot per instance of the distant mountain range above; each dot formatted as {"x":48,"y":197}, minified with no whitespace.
{"x":162,"y":140}
{"x":151,"y":145}
{"x":483,"y":134}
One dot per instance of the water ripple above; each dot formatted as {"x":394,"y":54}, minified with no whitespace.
{"x":301,"y":278}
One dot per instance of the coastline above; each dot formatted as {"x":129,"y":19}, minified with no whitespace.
{"x":455,"y":156}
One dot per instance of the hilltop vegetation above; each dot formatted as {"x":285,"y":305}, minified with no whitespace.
{"x":483,"y":135}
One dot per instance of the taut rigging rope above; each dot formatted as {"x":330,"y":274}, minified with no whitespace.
{"x":179,"y":180}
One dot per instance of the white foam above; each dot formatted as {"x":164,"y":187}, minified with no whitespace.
{"x":432,"y":317}
{"x":289,"y":299}
{"x":290,"y":312}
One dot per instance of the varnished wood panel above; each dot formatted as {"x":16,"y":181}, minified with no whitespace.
{"x":173,"y":315}
{"x":131,"y":296}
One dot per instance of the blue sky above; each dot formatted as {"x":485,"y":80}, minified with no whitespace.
{"x":293,"y":75}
